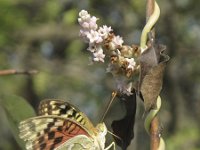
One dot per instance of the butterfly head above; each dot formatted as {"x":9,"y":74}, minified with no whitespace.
{"x":101,"y":128}
{"x":101,"y":133}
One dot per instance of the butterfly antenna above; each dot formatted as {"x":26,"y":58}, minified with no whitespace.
{"x":114,"y":135}
{"x":114,"y":94}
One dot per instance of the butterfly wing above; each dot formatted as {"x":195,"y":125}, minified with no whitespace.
{"x":80,"y":142}
{"x":66,"y":110}
{"x":49,"y":132}
{"x":57,"y":107}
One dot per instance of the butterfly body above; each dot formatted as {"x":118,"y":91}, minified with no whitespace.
{"x":61,"y":126}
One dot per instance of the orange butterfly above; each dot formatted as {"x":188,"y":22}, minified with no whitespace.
{"x":61,"y":126}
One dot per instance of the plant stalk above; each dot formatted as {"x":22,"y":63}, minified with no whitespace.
{"x":154,"y":127}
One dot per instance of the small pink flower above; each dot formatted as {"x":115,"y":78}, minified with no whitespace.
{"x":92,"y":23}
{"x":99,"y":55}
{"x":83,"y":34}
{"x":86,"y":21}
{"x":84,"y":16}
{"x":94,"y":37}
{"x":85,"y":25}
{"x":117,"y":40}
{"x":131,"y":62}
{"x":92,"y":47}
{"x":104,"y":31}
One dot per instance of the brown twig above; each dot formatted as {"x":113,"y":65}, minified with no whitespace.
{"x":154,"y":127}
{"x":13,"y":72}
{"x":154,"y":134}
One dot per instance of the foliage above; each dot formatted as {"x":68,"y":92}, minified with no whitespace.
{"x":43,"y":35}
{"x":15,"y":108}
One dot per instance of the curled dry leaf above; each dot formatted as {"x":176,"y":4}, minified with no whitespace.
{"x":152,"y":63}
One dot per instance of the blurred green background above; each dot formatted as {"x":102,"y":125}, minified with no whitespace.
{"x":43,"y":35}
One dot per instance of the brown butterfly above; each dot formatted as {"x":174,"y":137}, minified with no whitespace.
{"x":61,"y":126}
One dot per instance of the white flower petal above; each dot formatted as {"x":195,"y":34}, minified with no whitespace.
{"x":131,"y":62}
{"x":99,"y":55}
{"x":94,"y":37}
{"x":104,"y":31}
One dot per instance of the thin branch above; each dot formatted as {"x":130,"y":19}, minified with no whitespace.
{"x":154,"y":133}
{"x":14,"y":72}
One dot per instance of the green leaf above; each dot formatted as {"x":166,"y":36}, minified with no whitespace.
{"x":16,"y":109}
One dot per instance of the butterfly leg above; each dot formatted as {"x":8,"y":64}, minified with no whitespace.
{"x":111,"y":145}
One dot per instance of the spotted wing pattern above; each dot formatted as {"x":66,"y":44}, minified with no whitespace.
{"x":57,"y":107}
{"x":61,"y":126}
{"x":66,"y":110}
{"x":49,"y":132}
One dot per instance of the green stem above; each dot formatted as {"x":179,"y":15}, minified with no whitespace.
{"x":149,"y":118}
{"x":151,"y":115}
{"x":149,"y":25}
